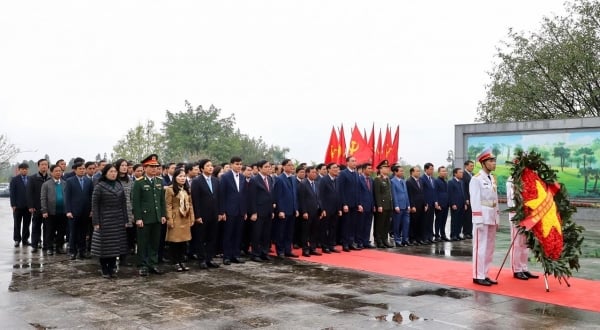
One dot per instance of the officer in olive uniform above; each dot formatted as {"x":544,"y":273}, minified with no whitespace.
{"x":148,"y":201}
{"x":484,"y":203}
{"x":382,"y":188}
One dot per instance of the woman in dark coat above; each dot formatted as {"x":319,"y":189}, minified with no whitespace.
{"x":109,"y":217}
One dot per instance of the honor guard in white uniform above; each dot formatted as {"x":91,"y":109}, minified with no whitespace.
{"x":484,"y":204}
{"x":519,"y":253}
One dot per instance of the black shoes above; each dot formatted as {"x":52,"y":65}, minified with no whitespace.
{"x":306,"y":254}
{"x":491,"y":281}
{"x":181,"y":267}
{"x":203,"y":265}
{"x":334,"y":250}
{"x":528,"y":274}
{"x":521,"y":276}
{"x":237,"y":261}
{"x":355,"y":247}
{"x":73,"y":257}
{"x":211,"y":264}
{"x":256,"y":259}
{"x":291,"y":255}
{"x":17,"y":243}
{"x":143,"y":272}
{"x":345,"y":249}
{"x":155,"y":270}
{"x":315,"y":253}
{"x":481,"y":282}
{"x":226,"y":262}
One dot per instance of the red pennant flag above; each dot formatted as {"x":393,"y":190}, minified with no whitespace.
{"x":331,"y":155}
{"x":378,"y":151}
{"x":342,"y":147}
{"x":395,"y":145}
{"x":371,"y":143}
{"x":359,"y":147}
{"x":387,"y":144}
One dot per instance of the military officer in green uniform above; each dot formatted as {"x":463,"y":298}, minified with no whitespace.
{"x":382,"y":189}
{"x":148,"y":201}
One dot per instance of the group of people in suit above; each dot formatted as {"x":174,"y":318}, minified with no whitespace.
{"x":251,"y":211}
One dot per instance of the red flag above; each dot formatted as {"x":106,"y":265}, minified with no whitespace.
{"x":394,"y":154}
{"x":364,"y":134}
{"x":387,"y":145}
{"x":378,"y":152}
{"x":359,"y":147}
{"x":331,"y":155}
{"x":371,"y":143}
{"x":342,"y":147}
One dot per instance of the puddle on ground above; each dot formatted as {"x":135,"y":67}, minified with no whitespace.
{"x":402,"y":317}
{"x":442,"y":292}
{"x":258,"y":322}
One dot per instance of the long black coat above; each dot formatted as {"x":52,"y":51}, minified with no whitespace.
{"x":109,"y":210}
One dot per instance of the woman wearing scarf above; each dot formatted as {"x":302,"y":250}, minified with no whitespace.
{"x":180,"y":218}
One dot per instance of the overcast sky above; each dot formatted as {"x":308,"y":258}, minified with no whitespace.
{"x":76,"y":75}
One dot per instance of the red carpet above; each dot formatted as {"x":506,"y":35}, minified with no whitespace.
{"x":583,"y":294}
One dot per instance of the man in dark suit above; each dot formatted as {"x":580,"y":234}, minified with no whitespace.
{"x":365,"y":222}
{"x":400,"y":217}
{"x":441,"y":210}
{"x":78,"y":208}
{"x":286,"y":209}
{"x":418,"y":207}
{"x":168,"y":177}
{"x":149,"y":211}
{"x":205,"y":199}
{"x":232,"y":209}
{"x":310,"y":213}
{"x":467,"y":225}
{"x":457,"y":202}
{"x":260,"y":208}
{"x":34,"y":202}
{"x":18,"y":202}
{"x":349,"y":189}
{"x":431,"y":200}
{"x":331,"y":206}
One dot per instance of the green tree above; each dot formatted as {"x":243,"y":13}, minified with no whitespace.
{"x":553,"y":73}
{"x":7,"y":151}
{"x":138,"y":143}
{"x":561,"y":152}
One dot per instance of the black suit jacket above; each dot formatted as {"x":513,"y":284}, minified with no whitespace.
{"x":78,"y":201}
{"x":34,"y":191}
{"x":415,"y":194}
{"x":18,"y":192}
{"x":205,"y":202}
{"x":308,"y":199}
{"x":329,"y":198}
{"x":260,"y":199}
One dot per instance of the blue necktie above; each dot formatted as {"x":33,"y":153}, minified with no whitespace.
{"x":24,"y":180}
{"x":208,"y":181}
{"x":81,"y":183}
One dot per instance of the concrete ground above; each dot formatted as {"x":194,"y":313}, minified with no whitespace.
{"x":41,"y":292}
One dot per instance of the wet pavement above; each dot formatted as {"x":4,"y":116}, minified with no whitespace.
{"x":53,"y":292}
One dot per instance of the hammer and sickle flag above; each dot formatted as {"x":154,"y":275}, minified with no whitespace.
{"x":331,"y":154}
{"x":359,"y":148}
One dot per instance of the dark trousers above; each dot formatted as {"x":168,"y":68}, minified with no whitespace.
{"x":246,"y":235}
{"x":309,"y":232}
{"x":417,"y":225}
{"x":261,"y":236}
{"x":284,"y":233}
{"x":349,"y":221}
{"x":131,"y":233}
{"x":36,"y":229}
{"x":440,"y":222}
{"x":177,"y":251}
{"x":400,"y":226}
{"x":232,"y":236}
{"x":108,"y":265}
{"x":78,"y":227}
{"x":329,"y":231}
{"x":363,"y":228}
{"x":456,"y":221}
{"x":161,"y":244}
{"x":382,"y":226}
{"x":428,"y":217}
{"x":54,"y":231}
{"x":22,"y":221}
{"x":467,"y":224}
{"x":148,"y":238}
{"x":205,"y":239}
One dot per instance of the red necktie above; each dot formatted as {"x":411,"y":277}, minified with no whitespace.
{"x":267,"y":183}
